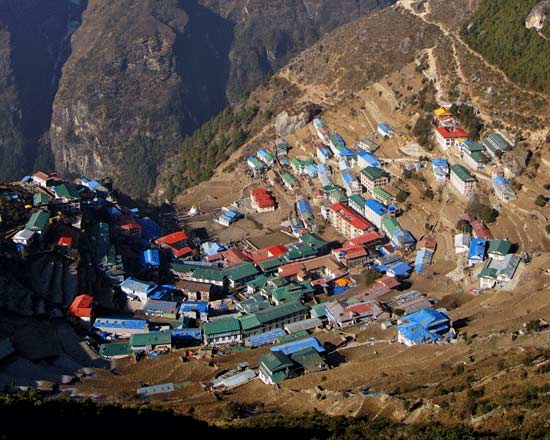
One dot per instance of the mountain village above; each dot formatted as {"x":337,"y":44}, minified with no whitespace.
{"x":161,"y":289}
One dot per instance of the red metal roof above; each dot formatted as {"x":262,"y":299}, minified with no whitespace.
{"x":235,"y":256}
{"x":360,"y":309}
{"x":81,"y":306}
{"x":181,"y":252}
{"x":41,"y":175}
{"x":365,"y":240}
{"x":351,"y":217}
{"x":262,"y":197}
{"x":480,"y":230}
{"x":389,"y":282}
{"x":173,"y":238}
{"x":66,"y":241}
{"x":452,"y":133}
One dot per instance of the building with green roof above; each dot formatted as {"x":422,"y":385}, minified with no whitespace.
{"x":373,"y":177}
{"x":383,"y":196}
{"x":496,"y":145}
{"x":357,"y":203}
{"x":462,"y":179}
{"x":240,"y":274}
{"x":225,"y":330}
{"x":314,"y":241}
{"x":38,"y":222}
{"x":276,"y":367}
{"x":273,"y":317}
{"x":289,"y":181}
{"x":115,"y":350}
{"x":498,"y":249}
{"x":270,"y":266}
{"x":335,"y":194}
{"x":150,"y":341}
{"x":309,"y":360}
{"x":40,"y":200}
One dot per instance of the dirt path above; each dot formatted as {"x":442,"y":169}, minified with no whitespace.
{"x":408,"y":5}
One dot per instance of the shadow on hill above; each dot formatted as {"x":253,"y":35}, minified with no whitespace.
{"x":202,"y":60}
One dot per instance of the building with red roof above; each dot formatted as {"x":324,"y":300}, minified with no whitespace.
{"x":65,"y":241}
{"x":450,"y":136}
{"x":46,"y":179}
{"x":177,"y":243}
{"x":235,"y":256}
{"x":348,"y":222}
{"x":481,"y":230}
{"x":352,"y":257}
{"x":129,"y":226}
{"x":268,"y":253}
{"x":368,"y":240}
{"x":81,"y":307}
{"x":262,"y":200}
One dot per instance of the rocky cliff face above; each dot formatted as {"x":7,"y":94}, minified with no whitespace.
{"x":538,"y":15}
{"x":34,"y":44}
{"x":144,"y":73}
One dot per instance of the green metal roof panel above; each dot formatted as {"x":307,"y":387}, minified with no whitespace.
{"x":275,"y":361}
{"x":40,"y":199}
{"x":225,"y":325}
{"x":313,"y":240}
{"x":280,"y":311}
{"x":249,"y":322}
{"x":462,"y":173}
{"x":357,"y":199}
{"x":115,"y":349}
{"x":391,"y":225}
{"x":207,"y":273}
{"x":269,"y":265}
{"x":373,"y":173}
{"x":382,"y":194}
{"x":38,"y":221}
{"x":499,"y":247}
{"x":308,"y":358}
{"x":153,"y":338}
{"x":288,"y":178}
{"x":241,"y":271}
{"x":319,"y":309}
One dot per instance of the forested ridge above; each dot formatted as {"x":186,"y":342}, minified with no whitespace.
{"x":498,"y":32}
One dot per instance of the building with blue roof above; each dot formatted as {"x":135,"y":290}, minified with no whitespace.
{"x":440,"y":168}
{"x":375,"y":212}
{"x":212,"y":248}
{"x":265,"y":338}
{"x":121,"y":327}
{"x":423,"y":327}
{"x":228,"y":217}
{"x":299,"y":345}
{"x":477,"y":250}
{"x":323,"y":154}
{"x":423,"y":258}
{"x":399,"y":270}
{"x":149,"y":229}
{"x":367,"y":159}
{"x":137,"y":289}
{"x":182,"y":335}
{"x":385,"y":130}
{"x":151,"y":258}
{"x":503,"y":189}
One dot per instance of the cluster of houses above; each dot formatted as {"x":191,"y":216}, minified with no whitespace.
{"x":451,"y":137}
{"x":500,"y":264}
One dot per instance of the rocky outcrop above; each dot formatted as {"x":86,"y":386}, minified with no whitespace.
{"x":538,"y":16}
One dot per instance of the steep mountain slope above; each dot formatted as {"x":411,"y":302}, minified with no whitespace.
{"x":353,"y":57}
{"x":34,"y":43}
{"x":142,"y":73}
